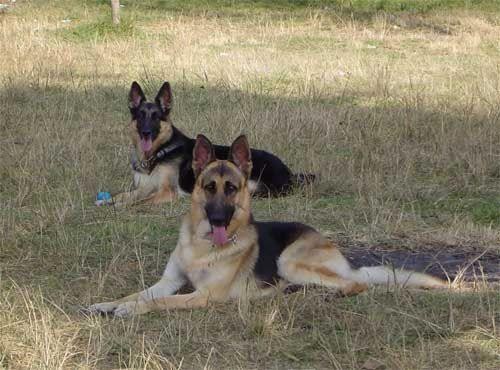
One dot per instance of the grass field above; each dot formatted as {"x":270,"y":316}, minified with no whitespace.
{"x":394,"y":104}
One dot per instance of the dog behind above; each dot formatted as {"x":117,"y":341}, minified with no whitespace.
{"x":162,"y":157}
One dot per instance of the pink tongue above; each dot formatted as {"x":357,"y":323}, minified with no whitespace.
{"x":219,"y":235}
{"x":146,"y":145}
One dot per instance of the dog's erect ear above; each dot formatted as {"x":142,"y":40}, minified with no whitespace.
{"x":203,"y":154}
{"x":164,"y":99}
{"x":240,"y":155}
{"x":135,"y":98}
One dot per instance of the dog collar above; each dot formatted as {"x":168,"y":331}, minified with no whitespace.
{"x":148,"y":164}
{"x":168,"y":150}
{"x":232,"y":239}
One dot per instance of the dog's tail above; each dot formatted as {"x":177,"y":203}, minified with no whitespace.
{"x":303,"y":179}
{"x":385,"y":275}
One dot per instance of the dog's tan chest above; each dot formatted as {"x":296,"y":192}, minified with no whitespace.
{"x":219,"y":271}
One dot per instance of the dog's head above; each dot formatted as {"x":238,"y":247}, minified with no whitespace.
{"x":150,"y":121}
{"x":221,"y":194}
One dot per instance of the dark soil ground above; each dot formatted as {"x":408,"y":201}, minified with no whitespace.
{"x":445,"y":261}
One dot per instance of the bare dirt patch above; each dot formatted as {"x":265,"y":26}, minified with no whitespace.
{"x":445,"y":261}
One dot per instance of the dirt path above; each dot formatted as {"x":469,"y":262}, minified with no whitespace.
{"x":437,"y":260}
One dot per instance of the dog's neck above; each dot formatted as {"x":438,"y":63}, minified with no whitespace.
{"x":166,"y":133}
{"x":199,"y":251}
{"x":170,"y":141}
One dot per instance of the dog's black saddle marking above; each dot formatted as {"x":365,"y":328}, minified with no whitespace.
{"x":273,"y":238}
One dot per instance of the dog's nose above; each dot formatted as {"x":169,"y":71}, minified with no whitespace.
{"x":219,"y":214}
{"x":146,"y":133}
{"x":217,"y":219}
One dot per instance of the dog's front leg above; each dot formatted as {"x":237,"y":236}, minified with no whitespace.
{"x":172,"y":280}
{"x":133,"y":197}
{"x":182,"y":301}
{"x":146,"y":188}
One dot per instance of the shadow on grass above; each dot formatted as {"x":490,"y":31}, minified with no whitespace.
{"x":61,"y":145}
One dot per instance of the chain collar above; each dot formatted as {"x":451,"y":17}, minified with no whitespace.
{"x":148,"y":164}
{"x":232,"y":239}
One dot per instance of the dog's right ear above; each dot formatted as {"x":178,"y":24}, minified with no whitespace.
{"x":203,"y":154}
{"x":164,"y":100}
{"x":135,"y":98}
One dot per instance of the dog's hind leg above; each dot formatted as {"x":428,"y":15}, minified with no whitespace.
{"x":313,"y":260}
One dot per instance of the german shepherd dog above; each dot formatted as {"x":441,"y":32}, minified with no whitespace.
{"x":163,"y":155}
{"x":225,"y":254}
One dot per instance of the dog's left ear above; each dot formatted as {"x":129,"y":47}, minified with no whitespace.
{"x":203,"y":154}
{"x":164,"y":100}
{"x":241,"y":155}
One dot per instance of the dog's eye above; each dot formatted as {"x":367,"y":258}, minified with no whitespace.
{"x":211,"y":187}
{"x":229,"y":188}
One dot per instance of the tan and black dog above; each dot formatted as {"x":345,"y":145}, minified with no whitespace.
{"x":163,"y":155}
{"x":224,"y":254}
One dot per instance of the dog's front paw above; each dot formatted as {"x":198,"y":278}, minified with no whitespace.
{"x":130,"y":308}
{"x":102,"y":308}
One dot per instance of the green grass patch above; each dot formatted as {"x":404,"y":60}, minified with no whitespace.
{"x":339,"y":201}
{"x":297,"y":9}
{"x":101,"y":30}
{"x":482,"y":210}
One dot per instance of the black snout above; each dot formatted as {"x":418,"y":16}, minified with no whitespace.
{"x":219,"y":214}
{"x":146,"y":133}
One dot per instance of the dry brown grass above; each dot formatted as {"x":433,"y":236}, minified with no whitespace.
{"x":398,"y":114}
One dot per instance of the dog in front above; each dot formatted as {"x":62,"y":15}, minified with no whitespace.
{"x":225,"y":254}
{"x":162,"y":156}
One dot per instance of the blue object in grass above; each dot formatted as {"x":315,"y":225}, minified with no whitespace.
{"x":103,"y":197}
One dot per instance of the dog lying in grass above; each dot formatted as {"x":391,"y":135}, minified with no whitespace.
{"x":225,"y":254}
{"x":163,"y":156}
